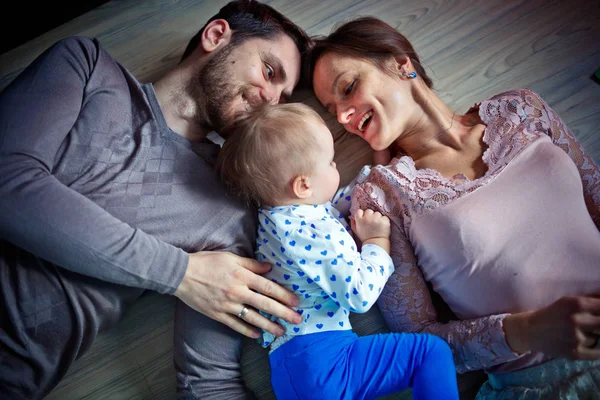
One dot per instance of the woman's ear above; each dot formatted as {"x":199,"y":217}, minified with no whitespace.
{"x":217,"y":33}
{"x":402,"y":65}
{"x":301,"y":187}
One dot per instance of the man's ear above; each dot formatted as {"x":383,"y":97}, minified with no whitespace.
{"x":301,"y":187}
{"x":216,"y":34}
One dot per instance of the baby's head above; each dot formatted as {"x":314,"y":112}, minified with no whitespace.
{"x":279,"y":155}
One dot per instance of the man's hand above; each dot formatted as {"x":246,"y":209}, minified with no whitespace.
{"x":372,"y":227}
{"x":221,"y":284}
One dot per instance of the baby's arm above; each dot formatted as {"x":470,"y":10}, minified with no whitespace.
{"x":343,"y":197}
{"x":329,"y":256}
{"x":371,"y":227}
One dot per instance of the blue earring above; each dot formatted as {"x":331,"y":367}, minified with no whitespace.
{"x":412,"y":75}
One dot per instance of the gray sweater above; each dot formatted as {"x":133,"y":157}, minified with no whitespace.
{"x":93,"y":180}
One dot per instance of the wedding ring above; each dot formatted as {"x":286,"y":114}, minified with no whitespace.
{"x":243,"y":312}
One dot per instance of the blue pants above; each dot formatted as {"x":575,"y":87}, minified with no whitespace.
{"x":340,"y":365}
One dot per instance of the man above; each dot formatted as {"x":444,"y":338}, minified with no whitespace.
{"x":107,"y":190}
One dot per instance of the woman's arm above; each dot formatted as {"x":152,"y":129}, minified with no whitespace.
{"x":562,"y":136}
{"x":407,"y":306}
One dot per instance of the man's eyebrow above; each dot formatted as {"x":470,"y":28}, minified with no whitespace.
{"x":275,"y":62}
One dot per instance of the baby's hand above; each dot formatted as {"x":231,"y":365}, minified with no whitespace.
{"x":369,"y":224}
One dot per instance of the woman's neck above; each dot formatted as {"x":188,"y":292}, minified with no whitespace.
{"x":435,"y":125}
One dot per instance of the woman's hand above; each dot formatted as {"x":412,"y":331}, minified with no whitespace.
{"x":221,"y":284}
{"x":568,"y":328}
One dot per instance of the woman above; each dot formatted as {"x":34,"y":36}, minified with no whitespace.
{"x":498,"y":209}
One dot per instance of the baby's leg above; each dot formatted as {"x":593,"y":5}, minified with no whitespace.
{"x":388,"y":363}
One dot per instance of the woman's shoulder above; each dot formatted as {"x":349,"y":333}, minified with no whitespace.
{"x":511,"y":102}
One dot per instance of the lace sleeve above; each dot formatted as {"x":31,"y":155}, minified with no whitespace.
{"x":406,"y":305}
{"x":588,"y":170}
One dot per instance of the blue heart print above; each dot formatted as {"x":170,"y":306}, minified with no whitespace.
{"x":342,"y":242}
{"x":318,"y":262}
{"x":286,"y":276}
{"x":317,"y":278}
{"x":289,"y":262}
{"x":296,"y":330}
{"x":348,"y":279}
{"x":282,"y":249}
{"x":318,"y":306}
{"x":265,"y":241}
{"x":302,"y":262}
{"x":309,"y":281}
{"x":332,"y":278}
{"x":354,"y":291}
{"x":293,"y":243}
{"x":319,"y":326}
{"x":330,"y":313}
{"x":350,"y":263}
{"x":300,"y":273}
{"x":287,"y":222}
{"x":341,"y":323}
{"x":328,"y":236}
{"x":295,"y":287}
{"x":324,"y":252}
{"x":307,"y":247}
{"x":334,"y":261}
{"x":371,"y":286}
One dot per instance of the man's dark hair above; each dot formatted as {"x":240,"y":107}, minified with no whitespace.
{"x":250,"y":19}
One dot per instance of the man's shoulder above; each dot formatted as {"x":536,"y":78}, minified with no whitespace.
{"x":77,"y":44}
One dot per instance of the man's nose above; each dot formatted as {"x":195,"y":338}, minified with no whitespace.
{"x":270,"y":94}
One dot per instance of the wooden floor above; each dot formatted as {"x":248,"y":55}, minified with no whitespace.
{"x":472,"y":49}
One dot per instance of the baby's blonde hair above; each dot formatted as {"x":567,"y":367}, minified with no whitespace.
{"x":265,"y":149}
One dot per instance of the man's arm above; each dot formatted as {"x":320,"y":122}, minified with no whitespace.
{"x":42,"y":215}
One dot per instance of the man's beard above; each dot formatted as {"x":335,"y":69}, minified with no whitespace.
{"x":217,"y":89}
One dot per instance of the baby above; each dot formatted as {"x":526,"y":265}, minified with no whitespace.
{"x":282,"y":158}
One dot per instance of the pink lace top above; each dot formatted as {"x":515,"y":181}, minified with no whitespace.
{"x":515,"y":239}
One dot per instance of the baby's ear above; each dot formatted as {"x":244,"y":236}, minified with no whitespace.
{"x":301,"y":187}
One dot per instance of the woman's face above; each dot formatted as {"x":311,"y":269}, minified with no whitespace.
{"x":369,"y":102}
